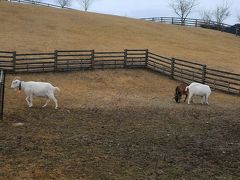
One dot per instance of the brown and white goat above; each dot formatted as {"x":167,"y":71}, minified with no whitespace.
{"x":180,"y":90}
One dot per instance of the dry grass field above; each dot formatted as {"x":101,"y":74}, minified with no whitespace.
{"x":118,"y":124}
{"x":29,"y":28}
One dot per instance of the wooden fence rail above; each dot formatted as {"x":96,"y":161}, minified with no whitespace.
{"x":75,"y":60}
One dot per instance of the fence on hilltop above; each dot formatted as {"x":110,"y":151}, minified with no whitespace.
{"x":74,"y":60}
{"x":40,"y":4}
{"x":197,"y":23}
{"x":169,"y":20}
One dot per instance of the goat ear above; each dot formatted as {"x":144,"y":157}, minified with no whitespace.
{"x":17,"y":78}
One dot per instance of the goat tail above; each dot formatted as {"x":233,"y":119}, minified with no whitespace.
{"x":186,"y":89}
{"x":56,"y":88}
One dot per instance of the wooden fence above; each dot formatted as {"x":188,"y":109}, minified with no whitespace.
{"x":39,"y":3}
{"x":74,"y":60}
{"x":187,"y":71}
{"x":195,"y":23}
{"x":13,"y":62}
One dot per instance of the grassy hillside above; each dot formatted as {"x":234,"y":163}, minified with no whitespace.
{"x":29,"y":28}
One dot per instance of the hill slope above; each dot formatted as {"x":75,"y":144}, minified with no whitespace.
{"x":29,"y":28}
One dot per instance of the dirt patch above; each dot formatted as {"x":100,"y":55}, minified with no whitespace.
{"x":118,"y":125}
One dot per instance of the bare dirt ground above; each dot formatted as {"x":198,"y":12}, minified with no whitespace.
{"x":120,"y":124}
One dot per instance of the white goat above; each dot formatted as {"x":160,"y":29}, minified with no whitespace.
{"x":39,"y":89}
{"x":198,"y":89}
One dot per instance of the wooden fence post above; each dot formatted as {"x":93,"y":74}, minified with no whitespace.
{"x":2,"y":89}
{"x":222,"y":27}
{"x":92,"y":58}
{"x":204,"y":70}
{"x":196,"y":23}
{"x":146,"y":58}
{"x":228,"y":88}
{"x":14,"y":61}
{"x":237,"y":29}
{"x":182,"y":22}
{"x":172,"y":67}
{"x":55,"y":60}
{"x":125,"y":58}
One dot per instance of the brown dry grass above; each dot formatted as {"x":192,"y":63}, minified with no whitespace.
{"x":118,"y":124}
{"x":28,"y":28}
{"x":107,"y":89}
